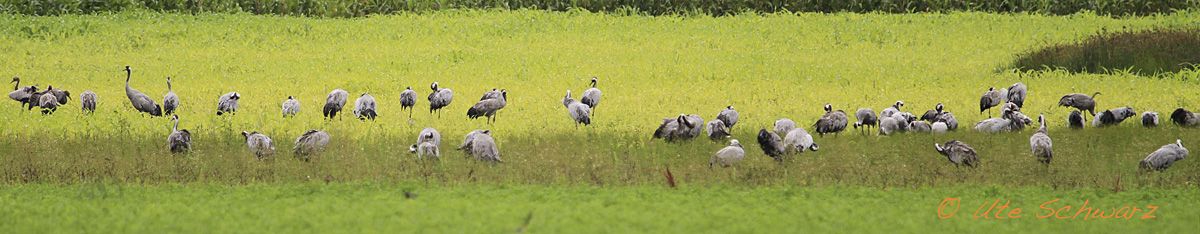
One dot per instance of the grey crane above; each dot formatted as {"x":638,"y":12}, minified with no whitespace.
{"x":259,"y":144}
{"x":228,"y":103}
{"x":578,"y":111}
{"x":865,"y":118}
{"x":1075,"y":119}
{"x":903,"y":120}
{"x":439,"y":98}
{"x":1113,"y":116}
{"x":716,"y":130}
{"x":919,"y":126}
{"x":591,"y":96}
{"x":783,"y":126}
{"x":1040,"y":143}
{"x":669,"y":129}
{"x":35,"y":99}
{"x":1164,"y":157}
{"x":47,"y":101}
{"x":691,"y":127}
{"x":62,"y":96}
{"x":170,"y":101}
{"x":468,"y":140}
{"x":1021,"y":118}
{"x":948,"y":119}
{"x":891,"y":110}
{"x":832,"y":122}
{"x":728,"y":116}
{"x":939,"y":115}
{"x":771,"y":144}
{"x":180,"y":140}
{"x":990,"y":99}
{"x":889,"y":125}
{"x":484,"y":148}
{"x":428,"y":142}
{"x":729,"y":155}
{"x":334,"y":102}
{"x":488,"y":107}
{"x":364,"y":107}
{"x":958,"y":153}
{"x":1080,"y":101}
{"x":1185,"y":118}
{"x":290,"y":107}
{"x":140,"y":101}
{"x":939,"y":127}
{"x":932,"y":115}
{"x":310,"y":143}
{"x":21,"y":94}
{"x":1016,"y":94}
{"x":426,"y":148}
{"x":57,"y":96}
{"x":408,"y":99}
{"x":89,"y":100}
{"x":494,"y":94}
{"x":1010,"y":120}
{"x":683,"y":127}
{"x":431,"y":135}
{"x":798,"y":140}
{"x":1150,"y":119}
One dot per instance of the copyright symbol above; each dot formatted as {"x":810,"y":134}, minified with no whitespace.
{"x":948,"y":208}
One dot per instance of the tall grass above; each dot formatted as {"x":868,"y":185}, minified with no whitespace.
{"x":354,"y":8}
{"x":1148,"y":52}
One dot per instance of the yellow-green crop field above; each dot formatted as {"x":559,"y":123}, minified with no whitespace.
{"x":111,"y":171}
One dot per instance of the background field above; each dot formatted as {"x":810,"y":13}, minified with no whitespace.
{"x":766,"y":66}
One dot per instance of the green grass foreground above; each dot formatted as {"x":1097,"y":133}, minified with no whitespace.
{"x":371,"y":207}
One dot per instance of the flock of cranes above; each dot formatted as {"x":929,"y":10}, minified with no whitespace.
{"x":480,"y":145}
{"x":892,"y":120}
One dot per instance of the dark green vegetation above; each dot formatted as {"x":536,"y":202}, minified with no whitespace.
{"x":354,"y":207}
{"x":352,"y":8}
{"x":1147,"y":52}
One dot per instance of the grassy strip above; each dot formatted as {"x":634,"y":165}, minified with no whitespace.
{"x":370,"y":207}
